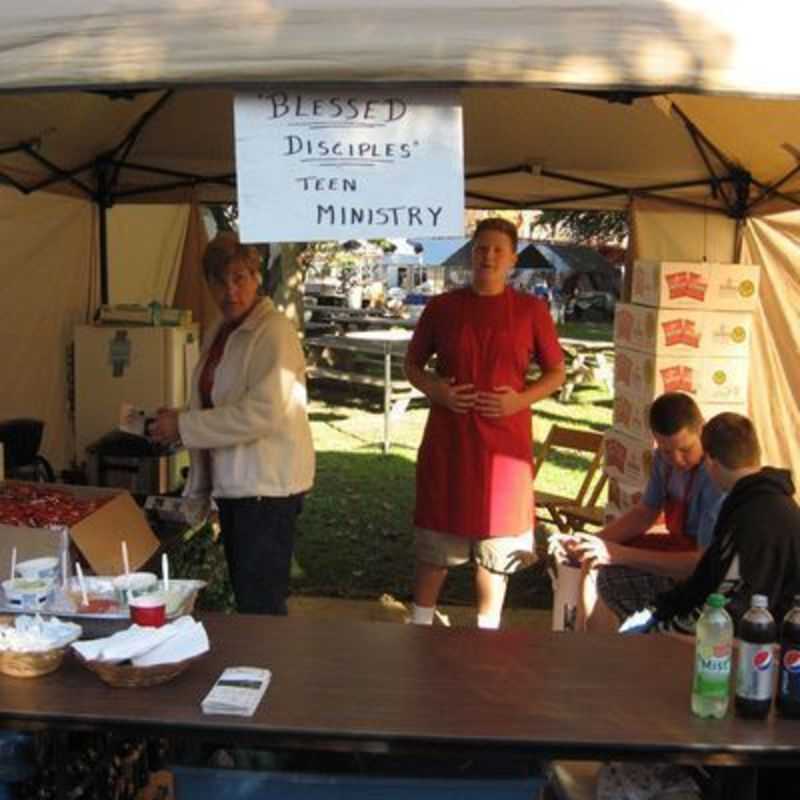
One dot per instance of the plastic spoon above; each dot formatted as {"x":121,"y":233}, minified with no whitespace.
{"x":126,"y":565}
{"x":81,"y":583}
{"x":13,"y":562}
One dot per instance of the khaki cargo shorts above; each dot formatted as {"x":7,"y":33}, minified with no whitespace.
{"x":494,"y":553}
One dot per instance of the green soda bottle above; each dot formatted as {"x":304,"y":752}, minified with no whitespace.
{"x":712,"y":659}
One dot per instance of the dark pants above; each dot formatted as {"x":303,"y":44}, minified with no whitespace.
{"x":258,"y":535}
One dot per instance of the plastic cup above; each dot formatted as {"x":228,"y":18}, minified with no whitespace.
{"x":149,"y":611}
{"x":566,"y":596}
{"x":136,"y":584}
{"x":46,"y":567}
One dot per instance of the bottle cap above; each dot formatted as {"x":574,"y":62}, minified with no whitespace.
{"x":716,"y":600}
{"x":759,"y":601}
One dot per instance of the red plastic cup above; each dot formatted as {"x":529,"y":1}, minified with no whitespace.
{"x":149,"y":610}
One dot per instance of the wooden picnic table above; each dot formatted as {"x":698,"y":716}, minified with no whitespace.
{"x":350,"y":319}
{"x":391,"y":347}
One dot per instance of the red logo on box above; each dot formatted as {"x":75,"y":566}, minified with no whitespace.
{"x":616,"y":454}
{"x":622,"y":410}
{"x":686,"y":284}
{"x":676,"y":284}
{"x":678,"y":379}
{"x":623,"y":368}
{"x":696,"y":287}
{"x":625,"y":324}
{"x":680,"y":331}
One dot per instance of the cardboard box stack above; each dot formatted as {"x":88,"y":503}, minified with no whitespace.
{"x":687,"y":329}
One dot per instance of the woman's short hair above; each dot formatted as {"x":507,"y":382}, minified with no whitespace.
{"x":731,"y":439}
{"x":225,"y":249}
{"x":672,"y":412}
{"x":498,"y":224}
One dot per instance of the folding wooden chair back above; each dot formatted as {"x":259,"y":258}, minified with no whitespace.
{"x":587,"y":443}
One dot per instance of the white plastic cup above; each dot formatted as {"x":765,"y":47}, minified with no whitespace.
{"x":566,"y":582}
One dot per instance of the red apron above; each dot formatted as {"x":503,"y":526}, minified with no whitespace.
{"x":676,"y":512}
{"x":474,"y":473}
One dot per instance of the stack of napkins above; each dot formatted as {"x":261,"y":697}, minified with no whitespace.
{"x":146,"y":647}
{"x":237,"y":691}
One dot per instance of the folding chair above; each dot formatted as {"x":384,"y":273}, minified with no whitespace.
{"x":569,"y":440}
{"x":577,"y":517}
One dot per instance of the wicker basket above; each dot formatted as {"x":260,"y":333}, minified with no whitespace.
{"x":31,"y":664}
{"x":128,"y":676}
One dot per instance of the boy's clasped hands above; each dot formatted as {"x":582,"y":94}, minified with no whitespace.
{"x":580,"y":548}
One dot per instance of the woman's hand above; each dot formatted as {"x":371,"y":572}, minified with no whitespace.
{"x":164,"y":428}
{"x":457,"y":397}
{"x":502,"y":401}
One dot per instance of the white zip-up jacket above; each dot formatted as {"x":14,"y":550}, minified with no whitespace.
{"x":258,"y":428}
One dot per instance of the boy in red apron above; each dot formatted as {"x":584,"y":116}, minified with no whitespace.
{"x":474,"y":470}
{"x":624,"y":566}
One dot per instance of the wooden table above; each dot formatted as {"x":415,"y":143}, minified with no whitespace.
{"x":348,"y":319}
{"x":390,"y":346}
{"x":382,"y":688}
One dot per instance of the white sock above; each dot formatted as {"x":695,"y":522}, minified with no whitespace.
{"x":489,"y":622}
{"x":421,"y":615}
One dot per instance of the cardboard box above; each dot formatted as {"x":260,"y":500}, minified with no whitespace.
{"x":669,"y":331}
{"x":708,"y":380}
{"x":696,"y":285}
{"x":624,"y":496}
{"x":632,"y":412}
{"x":98,"y":537}
{"x":627,"y":458}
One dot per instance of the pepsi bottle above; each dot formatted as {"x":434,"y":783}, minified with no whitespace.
{"x":789,"y":675}
{"x":755,"y":672}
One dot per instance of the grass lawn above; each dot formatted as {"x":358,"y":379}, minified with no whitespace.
{"x":355,"y":536}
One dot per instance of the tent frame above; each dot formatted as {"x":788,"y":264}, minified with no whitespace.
{"x":727,"y":183}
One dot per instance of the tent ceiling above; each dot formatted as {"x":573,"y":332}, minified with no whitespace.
{"x":667,"y":45}
{"x":523,"y":147}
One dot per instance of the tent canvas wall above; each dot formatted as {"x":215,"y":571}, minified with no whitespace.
{"x":577,"y":104}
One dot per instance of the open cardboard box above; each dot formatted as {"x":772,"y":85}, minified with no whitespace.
{"x":98,"y":537}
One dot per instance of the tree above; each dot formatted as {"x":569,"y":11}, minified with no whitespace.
{"x":587,"y":227}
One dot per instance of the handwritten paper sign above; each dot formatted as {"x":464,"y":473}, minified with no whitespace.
{"x":319,"y":165}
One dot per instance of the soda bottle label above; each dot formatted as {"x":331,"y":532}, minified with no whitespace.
{"x":754,"y":673}
{"x":790,"y":674}
{"x":712,"y":670}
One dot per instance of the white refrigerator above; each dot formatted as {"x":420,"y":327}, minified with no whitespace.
{"x":148,"y":366}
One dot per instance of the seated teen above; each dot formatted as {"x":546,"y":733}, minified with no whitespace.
{"x":624,"y":569}
{"x":756,"y":543}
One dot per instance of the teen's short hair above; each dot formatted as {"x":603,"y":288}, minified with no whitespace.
{"x":731,"y":439}
{"x":498,"y":224}
{"x":672,"y":412}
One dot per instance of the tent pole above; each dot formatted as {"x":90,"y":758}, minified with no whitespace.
{"x":103,"y":242}
{"x":102,"y":200}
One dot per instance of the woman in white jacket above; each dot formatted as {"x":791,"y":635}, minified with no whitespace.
{"x":246,"y":428}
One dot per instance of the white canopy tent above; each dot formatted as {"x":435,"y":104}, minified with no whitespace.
{"x":685,"y":111}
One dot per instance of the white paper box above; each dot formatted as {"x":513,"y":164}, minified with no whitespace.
{"x":697,"y":285}
{"x":632,"y":412}
{"x":670,"y":331}
{"x":627,"y":458}
{"x":707,"y":380}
